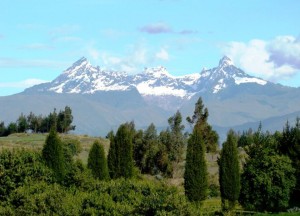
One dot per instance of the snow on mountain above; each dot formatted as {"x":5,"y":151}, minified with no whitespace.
{"x":84,"y":78}
{"x":225,"y":75}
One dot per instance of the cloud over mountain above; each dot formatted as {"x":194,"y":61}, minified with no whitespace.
{"x":273,"y":60}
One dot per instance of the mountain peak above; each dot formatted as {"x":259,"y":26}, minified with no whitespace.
{"x":157,"y":71}
{"x":225,"y":61}
{"x":82,"y":62}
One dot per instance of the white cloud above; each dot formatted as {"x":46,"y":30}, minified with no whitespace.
{"x":285,"y":50}
{"x":22,"y":84}
{"x":162,"y":55}
{"x":136,"y":57}
{"x":272,"y":60}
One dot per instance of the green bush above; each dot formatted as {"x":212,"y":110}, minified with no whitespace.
{"x":18,"y":167}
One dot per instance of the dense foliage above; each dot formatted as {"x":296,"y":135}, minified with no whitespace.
{"x":268,"y":177}
{"x":28,"y":187}
{"x":52,"y":182}
{"x":229,"y":172}
{"x":290,"y":146}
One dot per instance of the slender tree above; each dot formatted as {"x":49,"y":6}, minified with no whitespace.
{"x":123,"y":141}
{"x":113,"y":157}
{"x":97,"y":162}
{"x":195,"y":176}
{"x":229,"y":172}
{"x":120,"y":156}
{"x":177,"y":142}
{"x":200,"y":117}
{"x":53,"y":154}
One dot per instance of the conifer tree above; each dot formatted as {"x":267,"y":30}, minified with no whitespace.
{"x":124,"y":149}
{"x":53,"y":154}
{"x":97,"y":161}
{"x":112,"y":160}
{"x":200,"y":116}
{"x":229,"y":172}
{"x":177,"y":141}
{"x":120,"y":156}
{"x":290,"y":146}
{"x":195,"y":176}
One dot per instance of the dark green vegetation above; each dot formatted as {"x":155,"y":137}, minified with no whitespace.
{"x":195,"y":176}
{"x":229,"y":172}
{"x":61,"y":174}
{"x":40,"y":124}
{"x":97,"y":162}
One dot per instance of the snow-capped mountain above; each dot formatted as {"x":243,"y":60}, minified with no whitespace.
{"x":225,"y":75}
{"x":84,"y":78}
{"x":103,"y":99}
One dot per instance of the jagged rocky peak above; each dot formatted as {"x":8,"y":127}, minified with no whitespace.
{"x":157,"y":71}
{"x":79,"y":64}
{"x":225,"y":61}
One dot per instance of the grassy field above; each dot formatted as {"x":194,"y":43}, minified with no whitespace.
{"x":36,"y":142}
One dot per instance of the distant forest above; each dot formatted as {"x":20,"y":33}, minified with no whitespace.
{"x":40,"y":124}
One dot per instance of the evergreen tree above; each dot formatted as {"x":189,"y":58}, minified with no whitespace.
{"x":120,"y":156}
{"x":64,"y":120}
{"x":138,"y":148}
{"x":22,"y":124}
{"x":112,"y":159}
{"x":177,"y":141}
{"x":290,"y":146}
{"x":195,"y":176}
{"x":150,"y":149}
{"x":97,"y":162}
{"x":229,"y":172}
{"x":123,"y":142}
{"x":53,"y":154}
{"x":200,"y":117}
{"x":3,"y":129}
{"x":52,"y":120}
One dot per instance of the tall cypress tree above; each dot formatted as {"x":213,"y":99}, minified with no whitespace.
{"x":120,"y":156}
{"x":229,"y":172}
{"x":195,"y":176}
{"x":53,"y":154}
{"x":112,"y":160}
{"x":123,"y":142}
{"x":97,"y":162}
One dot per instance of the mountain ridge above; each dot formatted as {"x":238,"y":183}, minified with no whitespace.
{"x":102,"y":99}
{"x":84,"y":78}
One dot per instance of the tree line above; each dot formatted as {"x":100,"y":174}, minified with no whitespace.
{"x":39,"y":123}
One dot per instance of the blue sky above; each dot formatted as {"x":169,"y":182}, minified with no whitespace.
{"x":40,"y":39}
